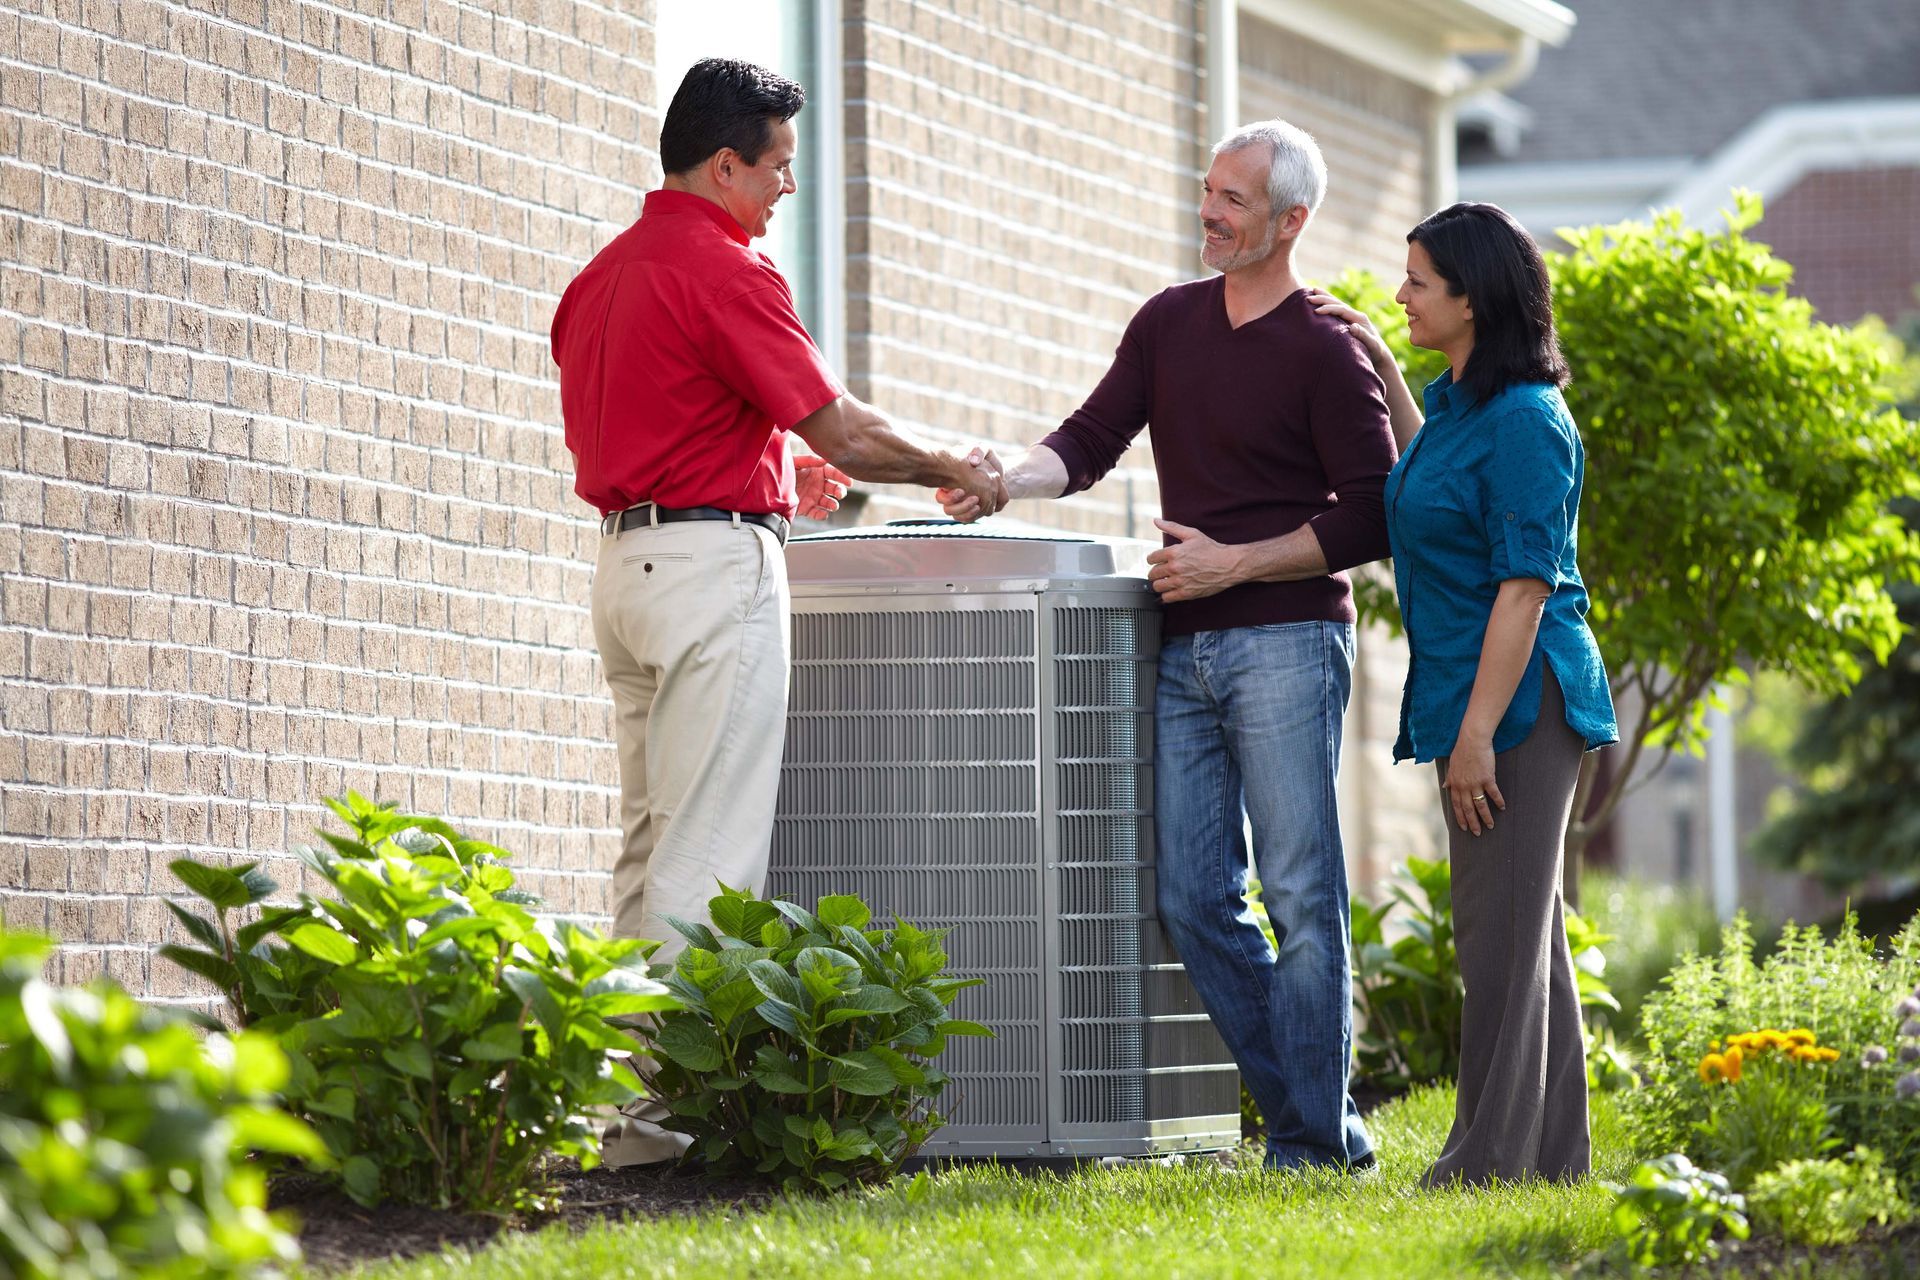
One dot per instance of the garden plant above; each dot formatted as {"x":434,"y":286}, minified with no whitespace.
{"x":803,"y":1046}
{"x":444,"y":1040}
{"x":125,"y":1136}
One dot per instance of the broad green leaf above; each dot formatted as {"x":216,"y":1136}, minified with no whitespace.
{"x":729,"y":1000}
{"x":410,"y":1057}
{"x":843,"y":909}
{"x":216,"y":884}
{"x":362,"y":1177}
{"x":862,"y":1072}
{"x":202,"y":929}
{"x":961,"y":1027}
{"x":257,"y":1128}
{"x":322,"y":942}
{"x":211,"y":967}
{"x":500,"y":1042}
{"x":689,"y":1042}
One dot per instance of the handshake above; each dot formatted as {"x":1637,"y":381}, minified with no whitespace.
{"x":979,"y":488}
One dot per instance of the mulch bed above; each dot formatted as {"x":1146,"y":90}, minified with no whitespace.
{"x":336,"y":1233}
{"x":1881,"y":1251}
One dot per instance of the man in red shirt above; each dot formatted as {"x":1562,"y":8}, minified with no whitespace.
{"x":683,"y":367}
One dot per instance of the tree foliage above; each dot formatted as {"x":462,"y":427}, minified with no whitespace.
{"x":1741,"y":459}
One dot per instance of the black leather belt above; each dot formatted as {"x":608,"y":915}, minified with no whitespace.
{"x":648,"y":514}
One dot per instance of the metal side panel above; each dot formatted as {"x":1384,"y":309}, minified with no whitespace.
{"x":911,"y":778}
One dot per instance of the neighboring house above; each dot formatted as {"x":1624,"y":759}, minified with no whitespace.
{"x":284,"y":503}
{"x":1815,"y":105}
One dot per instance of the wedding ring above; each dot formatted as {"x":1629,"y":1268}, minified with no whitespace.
{"x":1481,"y":796}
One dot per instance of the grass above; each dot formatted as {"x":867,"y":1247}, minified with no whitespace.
{"x":1200,"y":1219}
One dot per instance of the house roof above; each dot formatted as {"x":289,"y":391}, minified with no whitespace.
{"x":1679,"y":78}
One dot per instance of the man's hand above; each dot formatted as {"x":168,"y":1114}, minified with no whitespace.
{"x":969,"y":504}
{"x":1194,"y":567}
{"x":821,"y":485}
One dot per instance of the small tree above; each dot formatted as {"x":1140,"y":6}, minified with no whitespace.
{"x":1857,"y":813}
{"x":1741,"y":457}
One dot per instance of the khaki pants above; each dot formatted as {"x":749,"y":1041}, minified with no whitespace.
{"x":691,"y":620}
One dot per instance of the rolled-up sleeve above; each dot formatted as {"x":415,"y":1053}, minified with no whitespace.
{"x":1529,"y":495}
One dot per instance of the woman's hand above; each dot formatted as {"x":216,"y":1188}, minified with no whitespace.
{"x":1358,"y":324}
{"x":1470,"y":786}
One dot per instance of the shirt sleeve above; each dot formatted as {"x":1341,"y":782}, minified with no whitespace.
{"x":1094,"y":436}
{"x":1354,"y":438}
{"x":757,"y":345}
{"x":1529,"y":496}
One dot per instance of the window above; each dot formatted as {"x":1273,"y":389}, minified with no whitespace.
{"x":788,"y":36}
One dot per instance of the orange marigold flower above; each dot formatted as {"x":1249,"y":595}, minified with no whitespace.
{"x":1713,"y":1068}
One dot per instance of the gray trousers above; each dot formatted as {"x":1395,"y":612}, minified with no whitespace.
{"x":1522,"y":1105}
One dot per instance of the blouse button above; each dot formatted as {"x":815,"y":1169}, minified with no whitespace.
{"x":1509,"y":515}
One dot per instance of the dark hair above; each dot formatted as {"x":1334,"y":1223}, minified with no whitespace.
{"x":723,"y":103}
{"x":1480,"y":251}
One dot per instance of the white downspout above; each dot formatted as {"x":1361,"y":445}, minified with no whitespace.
{"x":829,"y":57}
{"x":1223,"y":73}
{"x":1444,"y":186}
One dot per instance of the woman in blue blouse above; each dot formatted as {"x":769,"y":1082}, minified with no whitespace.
{"x":1505,"y":688}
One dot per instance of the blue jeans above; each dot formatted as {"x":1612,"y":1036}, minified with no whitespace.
{"x":1248,"y":725}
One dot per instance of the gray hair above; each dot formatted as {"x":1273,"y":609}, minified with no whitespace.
{"x":1298,"y":174}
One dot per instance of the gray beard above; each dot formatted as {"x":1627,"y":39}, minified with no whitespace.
{"x":1246,"y":257}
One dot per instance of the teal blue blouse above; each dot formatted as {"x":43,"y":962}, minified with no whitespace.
{"x":1488,"y":492}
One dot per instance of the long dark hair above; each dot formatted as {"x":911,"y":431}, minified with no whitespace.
{"x":723,"y":103}
{"x":1480,"y":251}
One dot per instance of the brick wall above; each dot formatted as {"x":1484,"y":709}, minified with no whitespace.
{"x":1372,"y":129}
{"x":286,"y":508}
{"x":1022,"y":177}
{"x":284,"y":504}
{"x":1853,"y":238}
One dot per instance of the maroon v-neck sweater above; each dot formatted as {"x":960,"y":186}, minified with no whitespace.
{"x":1256,"y":431}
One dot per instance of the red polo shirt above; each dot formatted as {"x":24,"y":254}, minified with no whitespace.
{"x":683,"y":365}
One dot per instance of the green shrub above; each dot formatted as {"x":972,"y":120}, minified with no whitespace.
{"x":444,"y":1040}
{"x":1669,"y":1212}
{"x":1840,"y":990}
{"x":1652,"y":926}
{"x":123,"y":1135}
{"x":1826,"y":1202}
{"x":1409,"y":996}
{"x":1408,"y":992}
{"x":802,"y":1049}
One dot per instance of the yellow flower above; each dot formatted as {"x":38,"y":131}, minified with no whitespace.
{"x":1713,"y":1069}
{"x":1829,"y":1055}
{"x":1800,"y":1035}
{"x":1713,"y":1046}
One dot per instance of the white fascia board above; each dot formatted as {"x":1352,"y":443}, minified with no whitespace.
{"x":1773,"y":153}
{"x":1416,"y":40}
{"x":1410,"y":53}
{"x":1544,"y":20}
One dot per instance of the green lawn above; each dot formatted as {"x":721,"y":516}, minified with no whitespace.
{"x":1156,"y":1221}
{"x":1195,"y":1220}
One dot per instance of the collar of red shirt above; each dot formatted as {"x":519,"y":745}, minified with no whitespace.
{"x":665,"y":202}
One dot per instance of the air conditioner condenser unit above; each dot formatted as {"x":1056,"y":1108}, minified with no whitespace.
{"x":970,"y":746}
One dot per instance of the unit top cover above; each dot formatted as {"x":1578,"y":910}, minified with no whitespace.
{"x":941,"y":550}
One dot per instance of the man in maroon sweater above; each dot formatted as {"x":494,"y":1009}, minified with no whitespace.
{"x":1271,"y":439}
